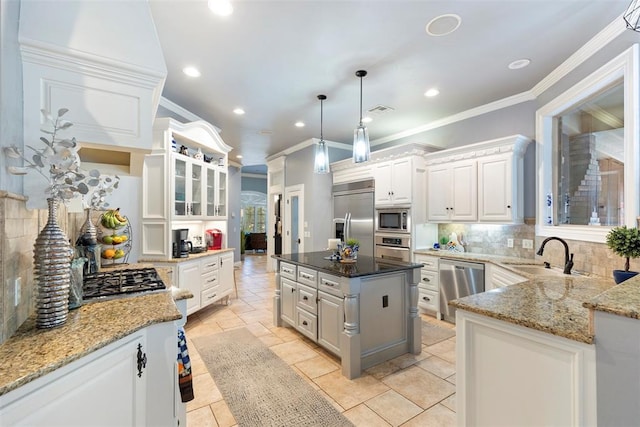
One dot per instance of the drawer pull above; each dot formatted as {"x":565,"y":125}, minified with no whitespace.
{"x":304,"y":322}
{"x":293,"y":290}
{"x":426,"y":279}
{"x":211,"y":296}
{"x":305,"y":298}
{"x":328,"y":283}
{"x":426,"y":298}
{"x":286,"y":270}
{"x":211,"y":280}
{"x":211,"y":265}
{"x":306,"y":276}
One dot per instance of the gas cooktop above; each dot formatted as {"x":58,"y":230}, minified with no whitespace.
{"x":109,"y":284}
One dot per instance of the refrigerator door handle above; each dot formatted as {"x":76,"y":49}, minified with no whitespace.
{"x":347,"y":226}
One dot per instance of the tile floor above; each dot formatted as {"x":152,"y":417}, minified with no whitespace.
{"x":409,"y":391}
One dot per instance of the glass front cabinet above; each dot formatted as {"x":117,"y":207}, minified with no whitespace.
{"x":199,"y":189}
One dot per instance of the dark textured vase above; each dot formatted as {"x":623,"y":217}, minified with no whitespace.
{"x":89,"y":229}
{"x":620,"y":276}
{"x":52,"y":269}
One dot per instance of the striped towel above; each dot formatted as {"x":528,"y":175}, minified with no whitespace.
{"x":184,"y":368}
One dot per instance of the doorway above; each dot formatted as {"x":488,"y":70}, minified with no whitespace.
{"x":294,"y":219}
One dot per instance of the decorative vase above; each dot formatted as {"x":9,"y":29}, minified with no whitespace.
{"x":89,"y":230}
{"x":52,"y":270}
{"x":620,"y":276}
{"x":348,"y":254}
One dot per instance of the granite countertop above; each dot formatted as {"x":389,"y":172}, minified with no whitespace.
{"x":559,"y":305}
{"x":31,"y":353}
{"x":190,"y":258}
{"x":364,"y":266}
{"x":622,"y":300}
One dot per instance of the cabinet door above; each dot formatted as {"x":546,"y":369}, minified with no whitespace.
{"x":330,"y":321}
{"x":383,"y":190}
{"x":75,"y":394}
{"x":401,"y":181}
{"x":189,"y":277}
{"x":494,"y":189}
{"x":288,"y":300}
{"x":196,"y":189}
{"x":188,"y":187}
{"x":210,"y":192}
{"x":438,"y":193}
{"x":221,"y":197}
{"x":226,"y":273}
{"x":465,"y":191}
{"x":179,"y":186}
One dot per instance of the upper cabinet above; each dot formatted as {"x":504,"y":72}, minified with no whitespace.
{"x":393,"y":182}
{"x":184,"y":179}
{"x":480,"y":182}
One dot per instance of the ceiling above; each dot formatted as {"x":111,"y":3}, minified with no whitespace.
{"x":272,"y":58}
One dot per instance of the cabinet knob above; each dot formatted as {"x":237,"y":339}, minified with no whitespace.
{"x":305,"y":298}
{"x":304,"y":322}
{"x":426,"y":279}
{"x":508,"y":206}
{"x":426,"y":298}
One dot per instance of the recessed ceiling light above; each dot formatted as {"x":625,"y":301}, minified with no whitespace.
{"x":519,"y":63}
{"x":432,"y":92}
{"x":220,"y":7}
{"x":299,"y":124}
{"x":238,"y":111}
{"x":443,"y":25}
{"x":239,"y":156}
{"x":367,"y":119}
{"x":191,"y":71}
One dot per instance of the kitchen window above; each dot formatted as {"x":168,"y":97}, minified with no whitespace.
{"x":587,"y":154}
{"x":254,"y":212}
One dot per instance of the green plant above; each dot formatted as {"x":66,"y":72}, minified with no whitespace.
{"x":352,"y":242}
{"x":625,"y":242}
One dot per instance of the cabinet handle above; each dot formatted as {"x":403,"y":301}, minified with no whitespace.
{"x":304,"y":322}
{"x":305,"y":298}
{"x":328,"y":283}
{"x":426,"y":298}
{"x":293,"y":290}
{"x":211,"y":265}
{"x":426,"y":279}
{"x":211,"y":296}
{"x":306,"y":276}
{"x":142,"y":360}
{"x":286,"y":270}
{"x":211,"y":280}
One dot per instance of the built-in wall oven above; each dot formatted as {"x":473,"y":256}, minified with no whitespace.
{"x":393,"y":220}
{"x":395,"y":247}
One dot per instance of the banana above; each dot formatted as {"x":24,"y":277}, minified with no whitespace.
{"x":123,"y":220}
{"x":113,"y":220}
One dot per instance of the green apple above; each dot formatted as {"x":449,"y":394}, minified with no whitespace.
{"x":107,"y":239}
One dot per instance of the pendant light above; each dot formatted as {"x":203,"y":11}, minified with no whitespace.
{"x":632,"y":15}
{"x":361,"y":149}
{"x":321,"y":163}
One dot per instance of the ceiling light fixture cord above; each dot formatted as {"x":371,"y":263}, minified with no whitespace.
{"x":361,"y":148}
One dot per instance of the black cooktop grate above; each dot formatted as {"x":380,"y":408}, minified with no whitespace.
{"x":121,"y":282}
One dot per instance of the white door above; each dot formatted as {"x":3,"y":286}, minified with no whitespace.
{"x":294,"y":219}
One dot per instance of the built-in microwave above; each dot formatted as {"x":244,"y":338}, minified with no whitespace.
{"x":397,"y":220}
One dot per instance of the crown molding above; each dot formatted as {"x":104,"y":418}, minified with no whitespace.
{"x":516,"y":144}
{"x":183,"y":112}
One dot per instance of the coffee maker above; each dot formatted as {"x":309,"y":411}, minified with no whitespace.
{"x":181,"y":246}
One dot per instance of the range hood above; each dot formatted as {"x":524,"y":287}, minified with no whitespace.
{"x":101,"y":60}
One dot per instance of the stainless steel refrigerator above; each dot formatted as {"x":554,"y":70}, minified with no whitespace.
{"x":353,"y":211}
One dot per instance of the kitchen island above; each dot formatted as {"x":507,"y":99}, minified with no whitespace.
{"x":364,"y":312}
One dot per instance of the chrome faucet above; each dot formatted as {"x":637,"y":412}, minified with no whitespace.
{"x":568,"y":260}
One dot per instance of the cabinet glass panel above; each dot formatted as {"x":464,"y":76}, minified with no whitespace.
{"x":211,"y":192}
{"x":222,"y":194}
{"x":180,"y":187}
{"x":196,"y":189}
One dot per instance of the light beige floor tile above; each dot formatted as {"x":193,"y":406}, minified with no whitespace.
{"x":437,"y":366}
{"x":201,"y":417}
{"x":408,"y":359}
{"x":349,"y":393}
{"x":293,"y":352}
{"x":450,"y":402}
{"x":223,"y":415}
{"x":330,"y":400}
{"x":361,"y":415}
{"x":287,"y":334}
{"x":257,"y":329}
{"x":317,"y":367}
{"x":421,"y":387}
{"x":205,"y":392}
{"x":197,"y":364}
{"x":393,"y":407}
{"x":437,"y":416}
{"x":452,"y":379}
{"x":444,"y":349}
{"x":203,"y":329}
{"x":271,"y":340}
{"x":231,"y":323}
{"x":381,"y":370}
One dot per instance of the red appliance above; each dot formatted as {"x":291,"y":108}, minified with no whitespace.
{"x":213,"y":238}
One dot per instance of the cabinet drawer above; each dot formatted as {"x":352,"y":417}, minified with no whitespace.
{"x":428,"y":300}
{"x":330,"y":284}
{"x":288,"y":270}
{"x":307,"y":323}
{"x":306,"y":298}
{"x":429,"y":280}
{"x":209,"y":296}
{"x":308,"y":277}
{"x":210,"y":279}
{"x":209,"y":264}
{"x":428,"y":262}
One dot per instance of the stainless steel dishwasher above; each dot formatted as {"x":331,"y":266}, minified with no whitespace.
{"x":458,"y":279}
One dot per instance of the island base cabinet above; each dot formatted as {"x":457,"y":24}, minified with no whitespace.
{"x":509,"y":375}
{"x":330,"y":321}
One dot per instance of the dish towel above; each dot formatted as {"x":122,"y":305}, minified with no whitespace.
{"x":185,"y":379}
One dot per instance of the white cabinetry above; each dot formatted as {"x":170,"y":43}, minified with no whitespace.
{"x":452,"y":192}
{"x":498,"y":277}
{"x":178,"y":187}
{"x":137,"y":394}
{"x":189,"y":278}
{"x":226,"y":274}
{"x":479,"y":182}
{"x":429,"y":286}
{"x":209,"y":280}
{"x":540,"y":379}
{"x":393,"y":182}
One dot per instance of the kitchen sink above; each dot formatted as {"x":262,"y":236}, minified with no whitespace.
{"x":540,"y":270}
